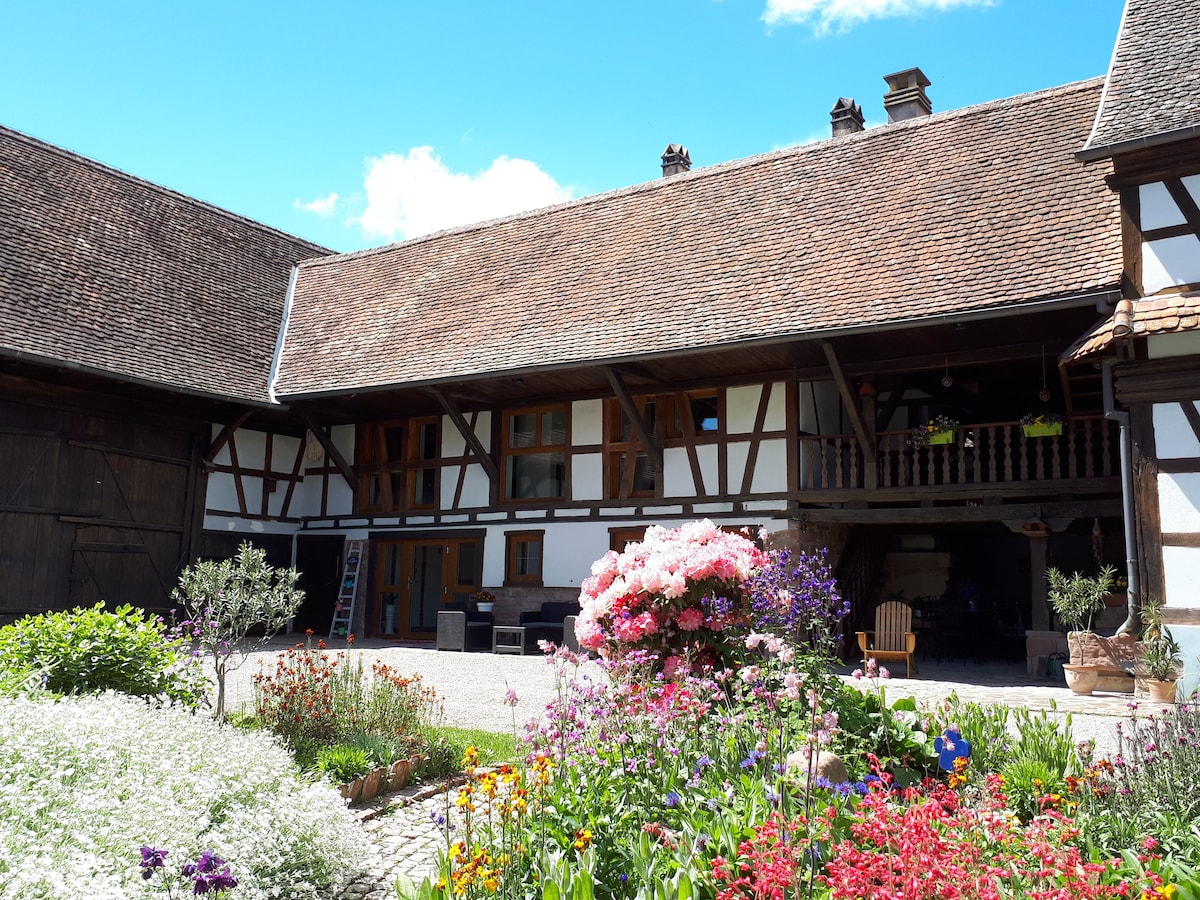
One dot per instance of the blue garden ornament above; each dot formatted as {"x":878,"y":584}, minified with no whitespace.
{"x":950,"y":746}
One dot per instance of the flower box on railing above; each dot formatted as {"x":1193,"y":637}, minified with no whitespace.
{"x":1043,"y":429}
{"x":945,"y":436}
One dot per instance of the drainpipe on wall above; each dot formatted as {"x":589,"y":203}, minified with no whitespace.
{"x":1133,"y":589}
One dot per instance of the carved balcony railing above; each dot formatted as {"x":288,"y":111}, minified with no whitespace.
{"x":995,"y":453}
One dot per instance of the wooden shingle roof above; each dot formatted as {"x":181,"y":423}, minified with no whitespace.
{"x":978,"y":209}
{"x":1152,"y":93}
{"x":111,"y":274}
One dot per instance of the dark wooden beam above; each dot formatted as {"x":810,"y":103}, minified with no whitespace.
{"x":223,"y":437}
{"x":865,"y":431}
{"x":334,"y":453}
{"x":468,"y":435}
{"x":635,"y":418}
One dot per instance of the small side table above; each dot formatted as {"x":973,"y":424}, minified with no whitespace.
{"x":508,"y":639}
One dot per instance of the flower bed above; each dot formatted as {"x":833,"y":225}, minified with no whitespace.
{"x":746,"y":770}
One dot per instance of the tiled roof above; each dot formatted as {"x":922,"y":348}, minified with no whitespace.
{"x":102,"y":270}
{"x":966,"y":211}
{"x":1161,"y":314}
{"x":1152,"y":94}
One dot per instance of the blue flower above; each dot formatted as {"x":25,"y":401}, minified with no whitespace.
{"x":950,"y":746}
{"x":671,"y":800}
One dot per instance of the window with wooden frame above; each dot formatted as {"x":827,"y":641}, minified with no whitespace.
{"x":674,"y":420}
{"x":398,"y":465}
{"x":534,"y":450}
{"x":523,"y":558}
{"x":620,"y":538}
{"x":628,"y":469}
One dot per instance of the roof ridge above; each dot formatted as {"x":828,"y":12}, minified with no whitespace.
{"x":714,"y":169}
{"x":121,"y":173}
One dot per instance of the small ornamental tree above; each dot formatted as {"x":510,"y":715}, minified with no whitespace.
{"x":224,"y":601}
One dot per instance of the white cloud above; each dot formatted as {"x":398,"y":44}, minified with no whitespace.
{"x":415,"y":193}
{"x":322,"y":206}
{"x":840,"y":15}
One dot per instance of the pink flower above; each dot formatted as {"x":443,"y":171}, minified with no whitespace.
{"x":690,"y":619}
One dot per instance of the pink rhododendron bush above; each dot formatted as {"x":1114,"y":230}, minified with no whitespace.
{"x":673,"y":594}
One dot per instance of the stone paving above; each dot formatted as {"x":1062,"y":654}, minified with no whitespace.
{"x":406,"y":840}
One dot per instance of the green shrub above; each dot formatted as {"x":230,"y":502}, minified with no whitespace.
{"x":85,"y":651}
{"x":342,"y":763}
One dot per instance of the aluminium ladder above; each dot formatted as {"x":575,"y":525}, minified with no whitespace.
{"x":343,"y":612}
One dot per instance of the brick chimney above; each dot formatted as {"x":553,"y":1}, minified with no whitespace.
{"x":906,"y":98}
{"x":846,"y":117}
{"x":675,"y":160}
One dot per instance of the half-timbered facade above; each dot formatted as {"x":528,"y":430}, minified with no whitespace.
{"x":761,"y":342}
{"x":1148,"y":129}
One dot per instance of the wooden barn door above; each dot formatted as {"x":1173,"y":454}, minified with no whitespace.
{"x":93,"y":508}
{"x":131,"y":548}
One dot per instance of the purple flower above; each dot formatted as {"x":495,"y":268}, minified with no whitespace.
{"x":152,"y":858}
{"x":671,"y":801}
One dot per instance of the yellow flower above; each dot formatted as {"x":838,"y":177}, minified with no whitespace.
{"x":583,"y":838}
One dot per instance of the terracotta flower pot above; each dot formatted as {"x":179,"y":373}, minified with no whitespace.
{"x":401,"y":774}
{"x":1161,"y":691}
{"x":1081,"y":679}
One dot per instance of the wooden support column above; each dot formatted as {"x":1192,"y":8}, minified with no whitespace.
{"x":635,"y":418}
{"x":468,"y":435}
{"x":863,"y":430}
{"x":327,"y":443}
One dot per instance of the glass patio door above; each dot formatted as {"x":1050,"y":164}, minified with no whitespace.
{"x":416,"y":578}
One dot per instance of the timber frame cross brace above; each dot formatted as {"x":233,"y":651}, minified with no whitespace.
{"x":468,"y":434}
{"x":327,"y":443}
{"x":635,"y":418}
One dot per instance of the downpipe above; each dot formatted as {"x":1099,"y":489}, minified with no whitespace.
{"x":1132,"y":623}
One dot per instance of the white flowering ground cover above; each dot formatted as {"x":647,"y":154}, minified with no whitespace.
{"x":86,"y":781}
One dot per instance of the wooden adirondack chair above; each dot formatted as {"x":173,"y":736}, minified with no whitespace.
{"x":893,"y":637}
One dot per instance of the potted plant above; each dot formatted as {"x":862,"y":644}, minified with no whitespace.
{"x":1045,"y":424}
{"x":484,"y":600}
{"x":938,"y":430}
{"x":1076,"y":599}
{"x":1161,"y":662}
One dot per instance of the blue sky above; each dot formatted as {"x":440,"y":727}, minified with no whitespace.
{"x":359,"y":123}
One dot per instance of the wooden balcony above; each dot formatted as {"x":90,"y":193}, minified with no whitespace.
{"x":984,"y":458}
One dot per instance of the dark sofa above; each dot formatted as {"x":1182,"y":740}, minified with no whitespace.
{"x":546,"y":622}
{"x":460,"y":627}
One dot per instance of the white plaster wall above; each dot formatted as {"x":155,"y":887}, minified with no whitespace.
{"x":735,"y":461}
{"x":1185,"y":343}
{"x":741,"y":406}
{"x":587,"y":422}
{"x":677,"y":474}
{"x":587,"y":476}
{"x":1188,"y":637}
{"x":476,"y":487}
{"x":1173,"y":436}
{"x":1169,"y":262}
{"x":1158,"y":209}
{"x":1179,"y":503}
{"x":1181,"y":571}
{"x":221,"y":492}
{"x":709,"y":460}
{"x":248,"y":526}
{"x":770,"y":472}
{"x":341,"y":498}
{"x":251,"y":448}
{"x":453,"y":443}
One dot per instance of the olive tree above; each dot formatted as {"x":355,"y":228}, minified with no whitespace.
{"x":224,"y":601}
